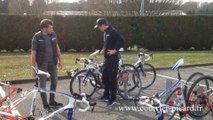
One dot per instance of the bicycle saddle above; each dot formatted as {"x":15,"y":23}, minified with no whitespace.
{"x":95,"y":53}
{"x":40,"y":72}
{"x":178,"y":64}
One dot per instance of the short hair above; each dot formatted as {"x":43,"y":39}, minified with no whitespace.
{"x":45,"y":22}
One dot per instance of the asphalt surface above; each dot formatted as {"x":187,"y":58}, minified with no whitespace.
{"x":102,"y":112}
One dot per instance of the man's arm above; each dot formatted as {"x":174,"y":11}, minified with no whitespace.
{"x":60,"y":63}
{"x":33,"y":58}
{"x":33,"y":54}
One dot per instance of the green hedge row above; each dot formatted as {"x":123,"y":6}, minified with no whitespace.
{"x":76,"y":32}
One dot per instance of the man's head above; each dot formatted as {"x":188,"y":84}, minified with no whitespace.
{"x":46,"y":26}
{"x":102,"y":24}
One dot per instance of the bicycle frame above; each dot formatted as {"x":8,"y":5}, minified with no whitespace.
{"x":35,"y":91}
{"x":140,"y":62}
{"x":6,"y":112}
{"x":156,"y":99}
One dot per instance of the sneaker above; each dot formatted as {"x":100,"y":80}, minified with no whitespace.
{"x":104,"y":99}
{"x":47,"y":108}
{"x":56,"y":104}
{"x":110,"y":103}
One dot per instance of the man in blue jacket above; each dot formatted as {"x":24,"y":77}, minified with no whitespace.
{"x":113,"y":41}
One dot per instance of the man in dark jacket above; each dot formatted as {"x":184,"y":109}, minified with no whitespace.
{"x":113,"y":41}
{"x":45,"y":56}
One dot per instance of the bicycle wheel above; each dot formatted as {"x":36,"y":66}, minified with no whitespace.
{"x":173,"y":98}
{"x":197,"y":98}
{"x":192,"y":78}
{"x":129,"y":83}
{"x":134,"y":81}
{"x":84,"y":82}
{"x":100,"y":84}
{"x":147,"y":74}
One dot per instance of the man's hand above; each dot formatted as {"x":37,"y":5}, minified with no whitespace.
{"x":33,"y":73}
{"x":111,"y":52}
{"x":60,"y":65}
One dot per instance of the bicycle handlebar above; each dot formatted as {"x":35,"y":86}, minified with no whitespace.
{"x":144,"y":100}
{"x":140,"y":54}
{"x":147,"y":56}
{"x":82,"y":99}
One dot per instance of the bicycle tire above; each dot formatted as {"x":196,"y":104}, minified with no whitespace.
{"x":188,"y":100}
{"x":132,"y":67}
{"x":167,"y":100}
{"x":130,"y":93}
{"x":192,"y":78}
{"x":143,"y":75}
{"x":93,"y":84}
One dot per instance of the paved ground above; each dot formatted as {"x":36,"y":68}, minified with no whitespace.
{"x":102,"y":112}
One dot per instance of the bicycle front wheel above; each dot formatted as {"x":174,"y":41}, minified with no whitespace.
{"x":147,"y":74}
{"x":84,"y":82}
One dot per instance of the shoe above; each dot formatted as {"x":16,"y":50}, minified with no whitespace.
{"x":55,"y":104}
{"x":104,"y":99}
{"x":47,"y":108}
{"x":110,"y":103}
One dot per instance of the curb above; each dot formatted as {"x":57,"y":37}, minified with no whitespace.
{"x":67,"y":77}
{"x":185,"y":66}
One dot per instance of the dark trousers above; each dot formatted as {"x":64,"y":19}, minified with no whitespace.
{"x":52,"y":69}
{"x":110,"y":71}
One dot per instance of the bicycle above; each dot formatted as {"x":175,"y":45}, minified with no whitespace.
{"x":175,"y":103}
{"x":6,"y":110}
{"x":90,"y":78}
{"x":147,"y":71}
{"x":200,"y":97}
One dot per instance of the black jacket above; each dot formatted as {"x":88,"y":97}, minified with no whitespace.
{"x":112,"y":40}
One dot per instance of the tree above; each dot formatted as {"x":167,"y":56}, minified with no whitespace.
{"x":3,"y":6}
{"x":129,"y":7}
{"x":18,"y":6}
{"x":190,"y":7}
{"x":206,"y":8}
{"x":38,"y":7}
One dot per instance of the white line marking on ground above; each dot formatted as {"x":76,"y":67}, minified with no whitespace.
{"x":164,"y":76}
{"x":204,"y":68}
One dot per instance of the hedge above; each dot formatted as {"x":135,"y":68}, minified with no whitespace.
{"x":77,"y":32}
